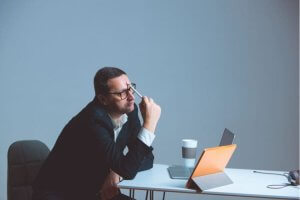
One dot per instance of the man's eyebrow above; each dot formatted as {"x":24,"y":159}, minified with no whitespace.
{"x":122,"y":90}
{"x":119,"y":91}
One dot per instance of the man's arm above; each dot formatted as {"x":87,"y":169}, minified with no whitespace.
{"x":125,"y":165}
{"x":147,"y":162}
{"x":128,"y":165}
{"x":143,"y":135}
{"x":151,"y":113}
{"x":110,"y":188}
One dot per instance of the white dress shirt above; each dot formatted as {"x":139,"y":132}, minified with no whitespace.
{"x":144,"y":135}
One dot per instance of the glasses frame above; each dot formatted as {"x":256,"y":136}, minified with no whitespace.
{"x":125,"y":91}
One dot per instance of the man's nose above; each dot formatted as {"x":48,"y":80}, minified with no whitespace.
{"x":130,"y":96}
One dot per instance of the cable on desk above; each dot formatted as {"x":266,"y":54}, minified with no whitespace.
{"x":274,"y":186}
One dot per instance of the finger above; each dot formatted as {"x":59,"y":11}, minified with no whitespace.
{"x":109,"y":193}
{"x":151,"y":100}
{"x":142,"y":104}
{"x":145,"y":99}
{"x":113,"y":192}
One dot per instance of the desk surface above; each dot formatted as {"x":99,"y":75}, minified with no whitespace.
{"x":245,"y":184}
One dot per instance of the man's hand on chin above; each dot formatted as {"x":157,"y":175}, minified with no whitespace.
{"x":109,"y":188}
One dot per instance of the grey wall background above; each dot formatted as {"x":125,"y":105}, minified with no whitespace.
{"x":209,"y":64}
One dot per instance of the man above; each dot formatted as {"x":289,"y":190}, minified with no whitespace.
{"x":87,"y":160}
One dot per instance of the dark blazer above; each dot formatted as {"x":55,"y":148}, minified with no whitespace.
{"x":85,"y":152}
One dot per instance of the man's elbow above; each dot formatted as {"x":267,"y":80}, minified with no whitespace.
{"x":129,"y":175}
{"x":147,"y":163}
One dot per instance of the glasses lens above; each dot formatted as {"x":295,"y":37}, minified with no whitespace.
{"x":133,"y":85}
{"x":123,"y":94}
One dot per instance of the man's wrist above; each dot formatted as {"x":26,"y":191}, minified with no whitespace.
{"x":146,"y":136}
{"x":149,"y":126}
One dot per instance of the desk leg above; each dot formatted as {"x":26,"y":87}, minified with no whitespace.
{"x":131,"y":193}
{"x":151,"y":195}
{"x":147,"y":191}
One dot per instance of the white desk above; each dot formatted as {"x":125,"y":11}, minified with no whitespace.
{"x":245,"y":184}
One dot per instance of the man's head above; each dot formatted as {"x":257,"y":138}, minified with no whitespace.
{"x":113,"y":91}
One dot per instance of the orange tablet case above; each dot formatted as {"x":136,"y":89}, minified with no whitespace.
{"x":212,"y":160}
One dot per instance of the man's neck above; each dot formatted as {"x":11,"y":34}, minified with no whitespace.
{"x":118,"y":121}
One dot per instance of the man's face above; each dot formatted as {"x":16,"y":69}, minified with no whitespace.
{"x":114,"y":102}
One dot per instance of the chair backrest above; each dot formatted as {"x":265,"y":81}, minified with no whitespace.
{"x":24,"y":159}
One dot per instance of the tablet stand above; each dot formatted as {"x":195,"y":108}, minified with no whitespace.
{"x":210,"y":181}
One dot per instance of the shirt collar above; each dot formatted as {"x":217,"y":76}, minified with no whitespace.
{"x":120,"y":122}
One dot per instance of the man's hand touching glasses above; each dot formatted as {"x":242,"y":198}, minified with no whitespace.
{"x":150,"y":112}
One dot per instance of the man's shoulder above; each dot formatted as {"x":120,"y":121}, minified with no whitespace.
{"x":94,"y":113}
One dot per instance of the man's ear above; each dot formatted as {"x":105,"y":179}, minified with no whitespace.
{"x":103,"y":99}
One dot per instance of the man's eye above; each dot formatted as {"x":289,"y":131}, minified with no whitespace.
{"x":123,"y":93}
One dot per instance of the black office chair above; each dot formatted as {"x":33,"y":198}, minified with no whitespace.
{"x":24,"y":159}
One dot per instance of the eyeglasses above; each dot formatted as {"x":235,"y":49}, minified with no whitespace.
{"x":124,"y":93}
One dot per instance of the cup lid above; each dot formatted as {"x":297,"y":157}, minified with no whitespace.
{"x":189,"y":143}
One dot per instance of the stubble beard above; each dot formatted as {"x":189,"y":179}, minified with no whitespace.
{"x":129,"y":108}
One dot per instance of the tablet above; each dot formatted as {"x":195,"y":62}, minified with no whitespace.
{"x":212,"y":160}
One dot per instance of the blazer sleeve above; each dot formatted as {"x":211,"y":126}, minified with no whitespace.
{"x":147,"y":162}
{"x":112,"y":155}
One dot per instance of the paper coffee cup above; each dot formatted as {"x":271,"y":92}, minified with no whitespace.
{"x":189,"y":147}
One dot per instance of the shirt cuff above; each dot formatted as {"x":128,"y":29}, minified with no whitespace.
{"x":146,"y":136}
